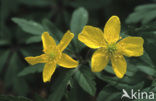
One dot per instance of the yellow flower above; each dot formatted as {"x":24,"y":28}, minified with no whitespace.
{"x":109,"y":47}
{"x":53,"y":54}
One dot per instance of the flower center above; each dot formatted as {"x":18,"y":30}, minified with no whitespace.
{"x":51,"y":56}
{"x":111,"y":48}
{"x":54,"y":55}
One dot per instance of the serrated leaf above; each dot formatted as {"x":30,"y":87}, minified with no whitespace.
{"x":126,"y":82}
{"x":59,"y":89}
{"x":31,"y":69}
{"x":85,"y":79}
{"x":31,"y":27}
{"x":79,"y":20}
{"x":145,"y":7}
{"x":146,"y":69}
{"x":139,"y":14}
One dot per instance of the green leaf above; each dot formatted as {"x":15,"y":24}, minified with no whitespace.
{"x":52,"y":29}
{"x":39,"y":98}
{"x":126,"y":82}
{"x":3,"y":58}
{"x":33,"y":39}
{"x":11,"y":70}
{"x":154,"y":83}
{"x":146,"y":69}
{"x":130,"y":70}
{"x":139,"y":14}
{"x":76,"y":93}
{"x":79,"y":20}
{"x":31,"y":69}
{"x":108,"y":93}
{"x":29,"y":26}
{"x":19,"y":85}
{"x":145,"y":7}
{"x":4,"y":42}
{"x":59,"y":88}
{"x":109,"y":69}
{"x":13,"y":98}
{"x":85,"y":79}
{"x":147,"y":59}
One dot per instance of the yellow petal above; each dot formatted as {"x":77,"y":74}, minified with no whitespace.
{"x":37,"y":59}
{"x":67,"y":62}
{"x":112,"y":29}
{"x":131,"y":46}
{"x":119,"y":65}
{"x":48,"y":71}
{"x":99,"y":60}
{"x":48,"y":42}
{"x":68,"y":36}
{"x":92,"y":37}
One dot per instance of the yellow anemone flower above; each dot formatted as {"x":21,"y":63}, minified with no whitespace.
{"x":109,"y":46}
{"x":53,"y":54}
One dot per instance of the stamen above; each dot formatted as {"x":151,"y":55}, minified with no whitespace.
{"x":111,"y":48}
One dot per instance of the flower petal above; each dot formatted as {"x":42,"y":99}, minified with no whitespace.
{"x":67,"y":62}
{"x":112,"y":29}
{"x":37,"y":59}
{"x":48,"y":71}
{"x":68,"y":36}
{"x":99,"y":60}
{"x":48,"y":42}
{"x":92,"y":37}
{"x":119,"y":65}
{"x":131,"y":46}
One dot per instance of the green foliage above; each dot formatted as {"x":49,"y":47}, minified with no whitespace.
{"x":52,"y":29}
{"x":59,"y":89}
{"x":79,"y":19}
{"x":22,"y":24}
{"x":29,"y":26}
{"x":85,"y":79}
{"x":143,"y":14}
{"x":12,"y":98}
{"x":11,"y":79}
{"x":108,"y":94}
{"x":147,"y":70}
{"x":3,"y":59}
{"x":31,"y":70}
{"x":33,"y":39}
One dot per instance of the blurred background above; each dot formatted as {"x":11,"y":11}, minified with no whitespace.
{"x":22,"y":23}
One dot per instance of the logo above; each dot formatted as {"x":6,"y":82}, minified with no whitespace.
{"x":137,"y":94}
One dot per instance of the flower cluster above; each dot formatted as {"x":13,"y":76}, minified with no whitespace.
{"x":108,"y":43}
